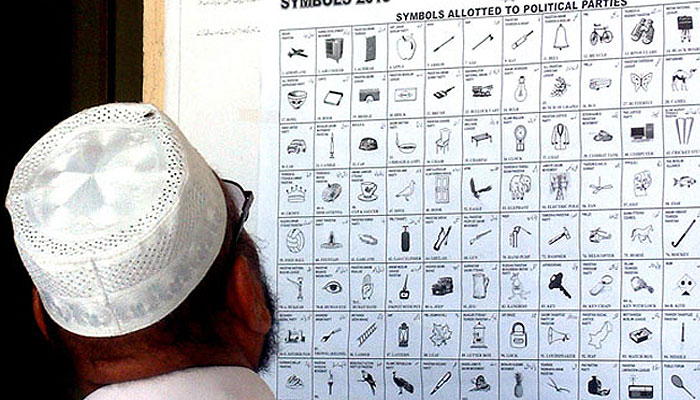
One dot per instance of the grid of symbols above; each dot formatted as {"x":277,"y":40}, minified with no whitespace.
{"x":491,"y":206}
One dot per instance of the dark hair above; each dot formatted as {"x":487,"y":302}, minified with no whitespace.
{"x":194,"y":320}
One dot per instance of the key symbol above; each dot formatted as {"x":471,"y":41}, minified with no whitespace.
{"x":604,"y":282}
{"x":555,"y":283}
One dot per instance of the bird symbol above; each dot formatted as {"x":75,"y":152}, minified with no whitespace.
{"x":477,"y":192}
{"x":402,"y":383}
{"x":407,"y":191}
{"x":369,"y":379}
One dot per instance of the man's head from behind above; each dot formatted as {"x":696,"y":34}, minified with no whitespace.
{"x":131,"y":242}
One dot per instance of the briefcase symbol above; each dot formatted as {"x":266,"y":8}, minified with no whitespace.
{"x":518,"y":336}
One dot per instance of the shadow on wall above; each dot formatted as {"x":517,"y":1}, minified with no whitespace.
{"x":69,"y":55}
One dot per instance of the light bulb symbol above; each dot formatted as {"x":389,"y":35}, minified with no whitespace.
{"x":521,"y":90}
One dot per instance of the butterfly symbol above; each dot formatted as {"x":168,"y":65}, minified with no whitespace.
{"x":641,"y":81}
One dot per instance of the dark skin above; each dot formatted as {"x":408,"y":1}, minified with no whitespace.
{"x":241,"y":326}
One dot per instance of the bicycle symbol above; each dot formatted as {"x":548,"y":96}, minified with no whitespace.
{"x":600,"y":34}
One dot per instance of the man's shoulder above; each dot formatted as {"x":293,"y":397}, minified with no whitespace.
{"x":214,"y":383}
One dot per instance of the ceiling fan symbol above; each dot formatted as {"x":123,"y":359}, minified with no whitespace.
{"x":599,"y":187}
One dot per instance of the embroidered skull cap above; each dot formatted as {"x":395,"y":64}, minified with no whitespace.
{"x":116,"y":217}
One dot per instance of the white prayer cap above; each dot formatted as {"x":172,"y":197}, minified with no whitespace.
{"x":117,"y":218}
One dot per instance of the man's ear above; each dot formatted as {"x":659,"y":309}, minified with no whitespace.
{"x":39,"y":315}
{"x":245,"y":296}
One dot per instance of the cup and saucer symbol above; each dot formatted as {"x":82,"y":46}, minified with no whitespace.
{"x":368,"y":191}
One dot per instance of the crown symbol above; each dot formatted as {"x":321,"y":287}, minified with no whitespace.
{"x":296,"y":194}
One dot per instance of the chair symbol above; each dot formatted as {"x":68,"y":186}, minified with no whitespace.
{"x":443,"y":143}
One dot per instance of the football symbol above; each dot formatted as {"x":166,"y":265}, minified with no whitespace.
{"x":295,"y":240}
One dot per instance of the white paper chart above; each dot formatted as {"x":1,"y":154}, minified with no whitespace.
{"x":502,"y":206}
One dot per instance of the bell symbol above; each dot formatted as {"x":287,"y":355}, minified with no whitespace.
{"x":560,"y":41}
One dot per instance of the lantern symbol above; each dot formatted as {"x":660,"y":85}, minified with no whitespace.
{"x":403,"y":335}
